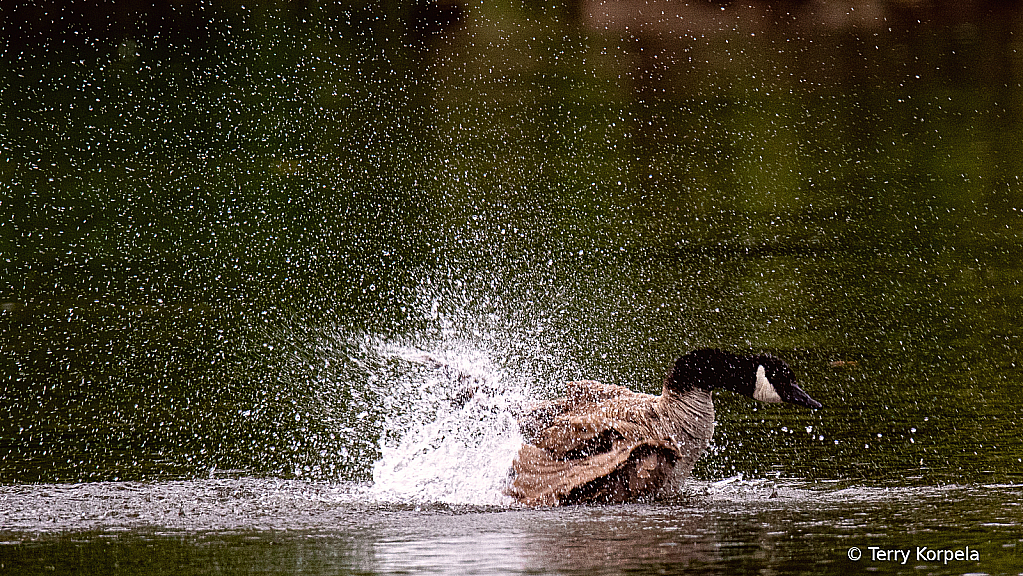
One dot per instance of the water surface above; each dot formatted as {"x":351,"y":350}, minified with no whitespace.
{"x":234,"y":526}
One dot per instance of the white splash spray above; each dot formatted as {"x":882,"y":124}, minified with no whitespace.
{"x":450,"y":432}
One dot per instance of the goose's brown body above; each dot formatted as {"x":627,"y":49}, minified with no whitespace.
{"x":604,"y":443}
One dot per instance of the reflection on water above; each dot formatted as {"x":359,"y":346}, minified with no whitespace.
{"x":237,"y":526}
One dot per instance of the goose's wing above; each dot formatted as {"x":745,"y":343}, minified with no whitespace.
{"x":578,"y":395}
{"x":591,"y":446}
{"x":565,"y":456}
{"x":579,"y":436}
{"x":582,"y":391}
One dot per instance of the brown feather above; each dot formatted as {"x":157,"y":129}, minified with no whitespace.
{"x":604,"y":443}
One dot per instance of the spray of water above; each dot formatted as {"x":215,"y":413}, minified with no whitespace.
{"x":450,"y":432}
{"x":450,"y":397}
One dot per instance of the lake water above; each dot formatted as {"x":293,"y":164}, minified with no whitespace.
{"x":256,"y":526}
{"x":229,"y":236}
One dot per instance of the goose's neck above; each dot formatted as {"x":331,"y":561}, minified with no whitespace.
{"x":691,"y":411}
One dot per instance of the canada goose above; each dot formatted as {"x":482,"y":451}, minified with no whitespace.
{"x":606,"y":443}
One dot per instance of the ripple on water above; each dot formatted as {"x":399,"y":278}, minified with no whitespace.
{"x":251,"y":503}
{"x":785,"y":526}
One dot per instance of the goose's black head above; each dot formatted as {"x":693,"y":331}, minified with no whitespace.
{"x":775,"y":382}
{"x":761,"y":377}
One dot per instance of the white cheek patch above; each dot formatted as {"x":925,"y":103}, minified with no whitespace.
{"x":765,"y":391}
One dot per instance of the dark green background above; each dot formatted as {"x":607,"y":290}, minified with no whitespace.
{"x":210,"y":216}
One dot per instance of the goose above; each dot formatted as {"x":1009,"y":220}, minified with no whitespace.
{"x":605,"y":443}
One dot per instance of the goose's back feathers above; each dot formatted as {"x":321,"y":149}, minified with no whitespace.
{"x":607,"y":443}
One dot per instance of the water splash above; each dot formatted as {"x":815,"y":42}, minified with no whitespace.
{"x":450,"y":432}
